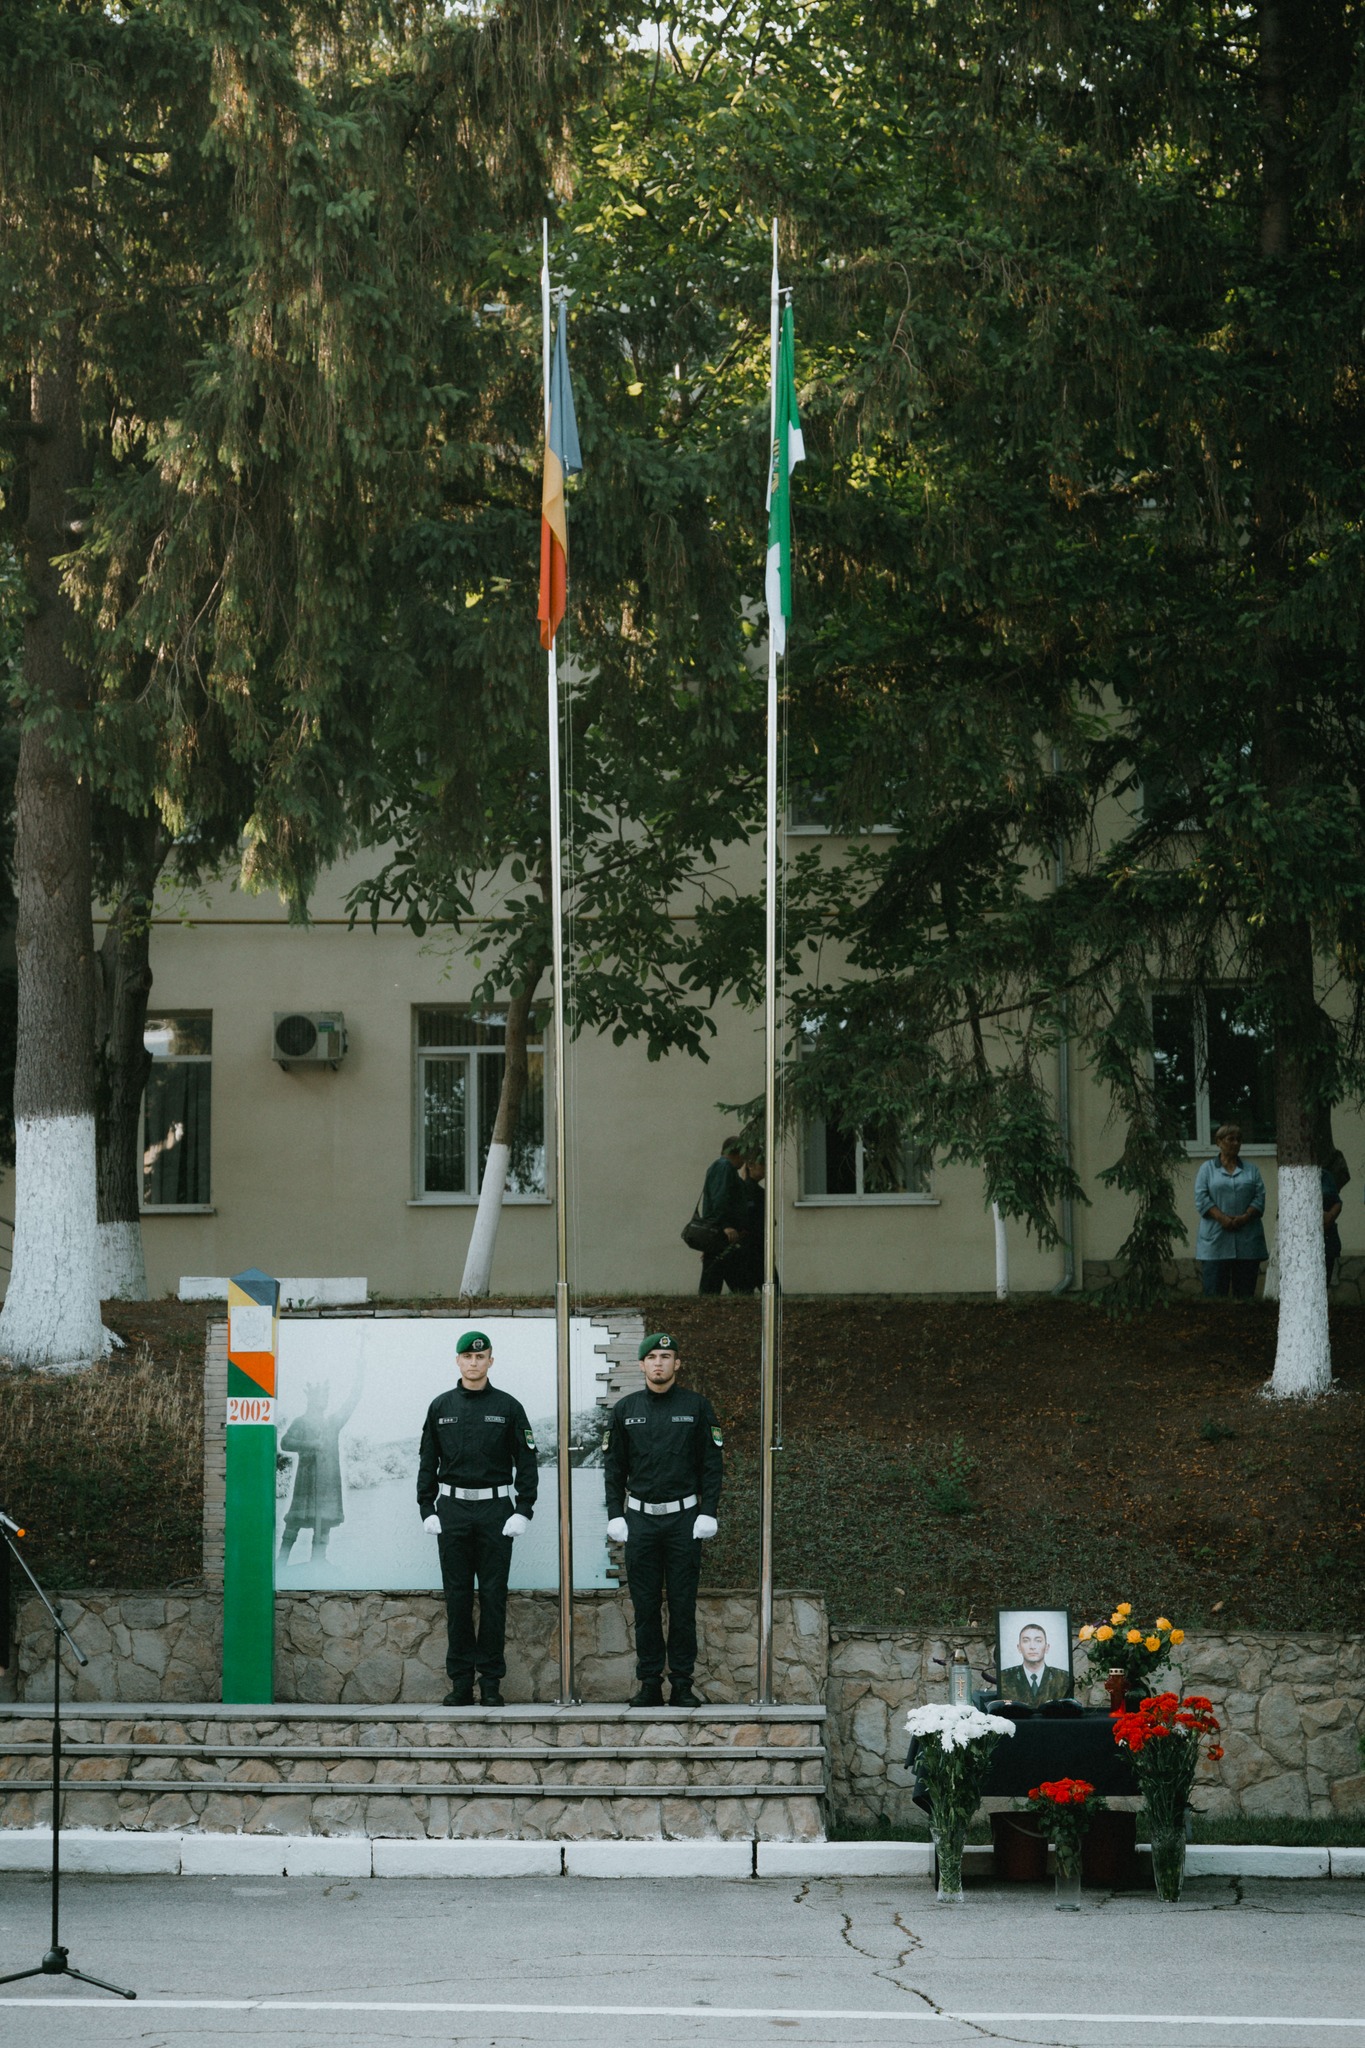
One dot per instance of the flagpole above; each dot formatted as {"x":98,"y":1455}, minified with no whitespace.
{"x":768,"y":1342}
{"x":563,"y":1404}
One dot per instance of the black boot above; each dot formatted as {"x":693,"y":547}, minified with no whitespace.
{"x":489,"y":1696}
{"x":680,"y":1694}
{"x":651,"y":1693}
{"x":459,"y":1696}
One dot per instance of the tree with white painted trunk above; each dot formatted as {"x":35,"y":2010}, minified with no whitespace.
{"x":51,"y":1315}
{"x":478,"y":1265}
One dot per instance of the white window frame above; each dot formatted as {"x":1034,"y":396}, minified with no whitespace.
{"x":811,"y":831}
{"x":858,"y":1200}
{"x":1201,"y":1144}
{"x":438,"y":1199}
{"x":187,"y":1059}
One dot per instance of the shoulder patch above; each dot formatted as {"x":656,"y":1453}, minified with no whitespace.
{"x":716,"y":1436}
{"x":530,"y":1440}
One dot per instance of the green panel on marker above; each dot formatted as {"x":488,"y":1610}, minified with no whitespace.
{"x":249,"y":1566}
{"x":249,"y":1522}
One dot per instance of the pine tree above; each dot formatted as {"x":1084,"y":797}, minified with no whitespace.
{"x":225,"y":379}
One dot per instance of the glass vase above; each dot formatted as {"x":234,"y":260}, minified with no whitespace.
{"x":949,"y":1841}
{"x":1168,"y":1863}
{"x":1068,"y":1882}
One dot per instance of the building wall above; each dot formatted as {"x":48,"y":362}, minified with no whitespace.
{"x":313,"y":1170}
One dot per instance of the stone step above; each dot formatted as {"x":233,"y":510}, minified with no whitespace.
{"x":524,"y":1772}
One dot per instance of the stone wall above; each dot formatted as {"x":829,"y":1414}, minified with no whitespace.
{"x":374,"y":1649}
{"x":1292,"y":1708}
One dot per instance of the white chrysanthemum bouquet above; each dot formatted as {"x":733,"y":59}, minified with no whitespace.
{"x":951,"y":1752}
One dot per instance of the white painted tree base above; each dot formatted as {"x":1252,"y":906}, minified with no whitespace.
{"x":478,"y":1265}
{"x":1002,"y":1255}
{"x":51,"y":1315}
{"x":1270,"y":1286}
{"x":1303,"y":1351}
{"x":123,"y":1269}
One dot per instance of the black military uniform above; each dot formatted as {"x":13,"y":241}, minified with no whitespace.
{"x":478,"y":1466}
{"x":663,"y":1468}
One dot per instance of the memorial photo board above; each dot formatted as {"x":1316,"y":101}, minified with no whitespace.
{"x":352,"y":1394}
{"x":1033,"y":1655}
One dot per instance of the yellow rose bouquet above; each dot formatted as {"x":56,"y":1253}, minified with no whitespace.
{"x":1123,"y":1643}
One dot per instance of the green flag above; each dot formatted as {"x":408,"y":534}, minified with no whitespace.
{"x":788,"y":449}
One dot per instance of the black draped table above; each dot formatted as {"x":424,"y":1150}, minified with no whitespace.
{"x":1071,"y":1746}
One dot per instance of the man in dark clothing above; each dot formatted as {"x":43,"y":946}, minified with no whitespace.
{"x":664,"y":1470}
{"x":725,"y":1205}
{"x":476,"y":1490}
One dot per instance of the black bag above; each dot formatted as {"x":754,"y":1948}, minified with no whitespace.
{"x":706,"y":1238}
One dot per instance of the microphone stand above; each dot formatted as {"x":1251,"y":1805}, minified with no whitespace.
{"x":54,"y":1963}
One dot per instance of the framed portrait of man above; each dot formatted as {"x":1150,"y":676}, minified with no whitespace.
{"x":1033,"y":1654}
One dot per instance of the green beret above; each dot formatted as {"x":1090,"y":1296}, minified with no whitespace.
{"x":658,"y":1342}
{"x":472,"y":1340}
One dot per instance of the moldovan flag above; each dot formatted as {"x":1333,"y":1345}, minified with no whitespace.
{"x":788,"y":449}
{"x":562,"y":459}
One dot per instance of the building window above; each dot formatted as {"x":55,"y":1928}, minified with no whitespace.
{"x":810,"y":808}
{"x":1213,"y":1066}
{"x":459,"y":1062}
{"x":841,"y":1163}
{"x":177,"y":1112}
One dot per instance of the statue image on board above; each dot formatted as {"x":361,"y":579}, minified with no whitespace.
{"x":317,"y":1501}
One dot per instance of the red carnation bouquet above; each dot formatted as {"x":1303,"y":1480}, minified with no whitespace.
{"x":1066,"y":1805}
{"x":1164,"y":1735}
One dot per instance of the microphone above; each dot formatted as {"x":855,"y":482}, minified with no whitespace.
{"x":13,"y":1527}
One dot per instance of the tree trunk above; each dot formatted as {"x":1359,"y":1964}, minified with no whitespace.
{"x":1002,"y":1255}
{"x":123,"y":983}
{"x":478,"y":1265}
{"x":51,"y":1315}
{"x":1303,"y":1352}
{"x":1303,"y":1356}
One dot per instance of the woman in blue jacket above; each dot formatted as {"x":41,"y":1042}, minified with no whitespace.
{"x":1230,"y":1197}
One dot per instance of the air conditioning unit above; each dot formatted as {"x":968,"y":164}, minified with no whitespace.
{"x":309,"y":1038}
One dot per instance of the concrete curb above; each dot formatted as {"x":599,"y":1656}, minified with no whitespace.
{"x":844,"y":1859}
{"x":92,"y":1852}
{"x":117,"y":1852}
{"x":659,"y":1859}
{"x":1230,"y":1859}
{"x":424,"y":1858}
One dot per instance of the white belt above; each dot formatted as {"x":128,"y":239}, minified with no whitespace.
{"x":660,"y":1507}
{"x":477,"y":1492}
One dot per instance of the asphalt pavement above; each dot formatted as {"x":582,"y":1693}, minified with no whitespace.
{"x":308,"y":1963}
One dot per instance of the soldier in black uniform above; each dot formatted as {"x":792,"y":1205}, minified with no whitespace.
{"x":664,"y":1469}
{"x":474,"y":1440}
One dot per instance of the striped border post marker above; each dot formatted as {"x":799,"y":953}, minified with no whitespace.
{"x":249,"y":1531}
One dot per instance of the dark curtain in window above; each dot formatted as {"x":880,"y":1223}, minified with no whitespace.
{"x":175,"y":1157}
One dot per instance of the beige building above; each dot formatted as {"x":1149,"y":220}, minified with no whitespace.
{"x":370,"y":1165}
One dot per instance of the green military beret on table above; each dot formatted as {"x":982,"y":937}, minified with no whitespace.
{"x":660,"y":1341}
{"x":472,"y":1340}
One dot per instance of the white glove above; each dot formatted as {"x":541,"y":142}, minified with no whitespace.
{"x":704,"y":1528}
{"x":617,"y":1529}
{"x":515,"y":1525}
{"x":432,"y":1525}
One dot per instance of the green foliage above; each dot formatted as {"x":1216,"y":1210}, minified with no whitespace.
{"x":1078,"y":569}
{"x":945,"y":1487}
